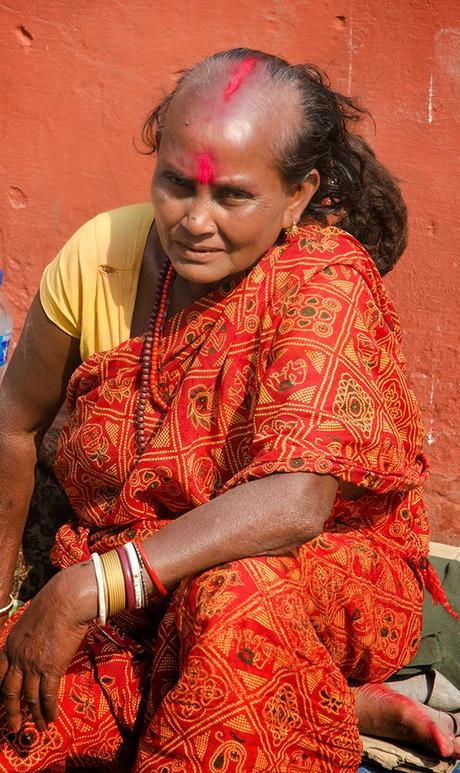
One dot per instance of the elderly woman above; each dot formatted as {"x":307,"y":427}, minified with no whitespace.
{"x":249,"y":532}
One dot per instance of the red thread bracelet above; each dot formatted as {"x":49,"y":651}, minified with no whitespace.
{"x":128,"y":578}
{"x":150,"y":570}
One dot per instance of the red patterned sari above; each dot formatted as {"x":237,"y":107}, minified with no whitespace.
{"x":296,"y":368}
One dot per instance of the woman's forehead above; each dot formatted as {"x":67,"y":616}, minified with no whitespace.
{"x":203,"y":114}
{"x":221,"y":144}
{"x":242,"y":91}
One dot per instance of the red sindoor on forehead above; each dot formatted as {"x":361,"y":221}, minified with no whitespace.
{"x":241,"y":72}
{"x":204,"y":175}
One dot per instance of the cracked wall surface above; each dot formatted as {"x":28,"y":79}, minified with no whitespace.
{"x":78,"y":79}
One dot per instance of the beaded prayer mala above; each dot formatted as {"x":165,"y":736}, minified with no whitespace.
{"x":150,"y":358}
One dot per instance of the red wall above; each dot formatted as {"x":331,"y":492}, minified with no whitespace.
{"x":79,"y":77}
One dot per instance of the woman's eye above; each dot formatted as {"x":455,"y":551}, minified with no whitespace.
{"x":179,"y":182}
{"x":234,"y":194}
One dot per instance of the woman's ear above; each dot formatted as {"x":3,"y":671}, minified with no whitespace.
{"x":300,"y":198}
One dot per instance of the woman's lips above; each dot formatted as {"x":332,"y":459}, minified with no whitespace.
{"x":197,"y":252}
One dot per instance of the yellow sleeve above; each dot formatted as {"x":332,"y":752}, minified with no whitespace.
{"x":89,"y":289}
{"x":61,"y":289}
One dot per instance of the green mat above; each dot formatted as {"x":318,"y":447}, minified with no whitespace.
{"x":440,"y":645}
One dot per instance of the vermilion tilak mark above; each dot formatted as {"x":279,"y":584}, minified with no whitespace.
{"x":205,"y":170}
{"x":204,"y":175}
{"x":241,"y":72}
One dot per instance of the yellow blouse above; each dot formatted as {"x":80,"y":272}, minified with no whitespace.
{"x":89,"y":289}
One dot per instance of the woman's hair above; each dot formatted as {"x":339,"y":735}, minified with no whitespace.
{"x":379,"y":217}
{"x":351,"y":178}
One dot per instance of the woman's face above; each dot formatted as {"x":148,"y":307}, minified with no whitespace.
{"x":219,"y":200}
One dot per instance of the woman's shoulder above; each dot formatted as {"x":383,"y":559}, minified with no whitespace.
{"x":318,"y":246}
{"x":115,"y":237}
{"x":125,"y":217}
{"x":94,"y":272}
{"x":325,"y":261}
{"x":315,"y":250}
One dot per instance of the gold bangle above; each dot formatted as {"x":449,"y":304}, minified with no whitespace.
{"x":119,"y":603}
{"x":106,"y":584}
{"x":115,"y":582}
{"x":106,"y":590}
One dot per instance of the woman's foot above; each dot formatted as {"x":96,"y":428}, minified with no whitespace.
{"x":386,"y":714}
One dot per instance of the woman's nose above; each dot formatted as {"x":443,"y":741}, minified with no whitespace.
{"x":198,"y":219}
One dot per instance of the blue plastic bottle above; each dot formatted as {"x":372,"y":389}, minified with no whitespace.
{"x":6,"y":328}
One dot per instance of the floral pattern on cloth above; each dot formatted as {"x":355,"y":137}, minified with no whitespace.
{"x":298,"y":367}
{"x":245,"y":672}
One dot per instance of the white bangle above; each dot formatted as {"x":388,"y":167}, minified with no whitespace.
{"x":136,"y":570}
{"x":101,"y":600}
{"x":8,"y":607}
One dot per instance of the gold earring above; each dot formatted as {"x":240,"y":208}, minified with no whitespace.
{"x":293,"y":230}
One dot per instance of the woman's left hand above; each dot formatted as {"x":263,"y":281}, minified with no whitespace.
{"x":42,"y":644}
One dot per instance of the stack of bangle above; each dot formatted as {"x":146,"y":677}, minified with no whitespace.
{"x":120,"y":580}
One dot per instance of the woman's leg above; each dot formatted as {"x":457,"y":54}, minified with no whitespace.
{"x":366,"y":608}
{"x":365,"y":604}
{"x":241,"y":681}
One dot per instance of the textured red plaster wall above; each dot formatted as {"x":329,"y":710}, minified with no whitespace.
{"x":79,"y":76}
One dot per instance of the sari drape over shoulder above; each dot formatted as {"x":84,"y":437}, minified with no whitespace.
{"x":296,"y":367}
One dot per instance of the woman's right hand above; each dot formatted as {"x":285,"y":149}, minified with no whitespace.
{"x":42,"y":643}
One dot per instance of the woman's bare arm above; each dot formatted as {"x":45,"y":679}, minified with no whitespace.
{"x":30,"y":396}
{"x":270,"y":515}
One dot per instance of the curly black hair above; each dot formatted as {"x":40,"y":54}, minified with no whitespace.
{"x":378,"y":219}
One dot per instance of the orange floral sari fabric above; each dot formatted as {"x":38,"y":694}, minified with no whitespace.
{"x":298,"y":367}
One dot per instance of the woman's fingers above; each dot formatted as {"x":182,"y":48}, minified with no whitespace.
{"x":49,"y":686}
{"x":38,"y":693}
{"x":11,"y":698}
{"x":31,"y":695}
